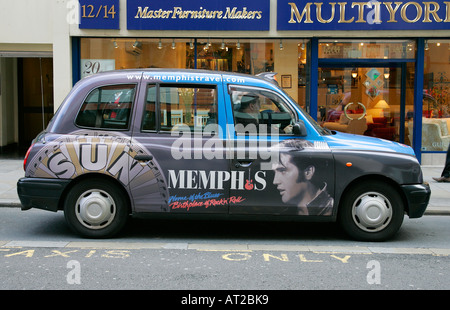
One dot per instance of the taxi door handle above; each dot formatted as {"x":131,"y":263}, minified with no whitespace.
{"x":243,"y":164}
{"x":143,"y":157}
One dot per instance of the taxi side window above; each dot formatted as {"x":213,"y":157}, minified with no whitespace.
{"x":193,"y":106}
{"x":260,"y":112}
{"x":107,"y":107}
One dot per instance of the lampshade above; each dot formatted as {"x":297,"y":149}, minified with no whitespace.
{"x":382,"y":104}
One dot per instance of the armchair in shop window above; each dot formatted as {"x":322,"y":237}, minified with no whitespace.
{"x":380,"y":127}
{"x":356,"y":125}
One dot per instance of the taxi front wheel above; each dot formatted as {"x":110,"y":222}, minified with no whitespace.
{"x":96,"y":208}
{"x":371,"y":211}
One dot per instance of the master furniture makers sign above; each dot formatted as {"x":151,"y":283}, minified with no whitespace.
{"x":198,"y":15}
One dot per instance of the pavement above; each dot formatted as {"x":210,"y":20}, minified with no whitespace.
{"x":11,"y":170}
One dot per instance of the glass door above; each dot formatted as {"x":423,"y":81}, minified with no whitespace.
{"x":367,"y":100}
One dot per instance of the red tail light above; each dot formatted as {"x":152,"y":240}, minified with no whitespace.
{"x":26,"y":157}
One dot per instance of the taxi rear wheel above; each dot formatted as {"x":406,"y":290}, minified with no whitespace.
{"x":371,"y":211}
{"x":96,"y":208}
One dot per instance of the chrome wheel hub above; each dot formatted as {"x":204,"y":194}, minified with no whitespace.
{"x":95,"y":209}
{"x":372,"y":212}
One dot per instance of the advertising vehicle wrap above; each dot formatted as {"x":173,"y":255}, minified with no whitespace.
{"x":211,"y":143}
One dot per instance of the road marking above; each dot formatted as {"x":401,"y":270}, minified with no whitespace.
{"x":175,"y":246}
{"x":115,"y":245}
{"x":36,"y":244}
{"x":222,"y":247}
{"x":218,"y":247}
{"x":386,"y":250}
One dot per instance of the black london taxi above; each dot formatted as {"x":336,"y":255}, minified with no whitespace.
{"x":194,"y":142}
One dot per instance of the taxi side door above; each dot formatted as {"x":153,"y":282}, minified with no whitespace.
{"x":279,"y":171}
{"x":181,"y":147}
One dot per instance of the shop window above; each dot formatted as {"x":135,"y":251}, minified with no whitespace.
{"x":367,"y":49}
{"x":107,"y":107}
{"x":195,"y":107}
{"x":366,"y":98}
{"x":243,"y":56}
{"x":101,"y":54}
{"x":260,"y":112}
{"x":255,"y":56}
{"x":368,"y":101}
{"x":250,"y":56}
{"x":436,"y":96}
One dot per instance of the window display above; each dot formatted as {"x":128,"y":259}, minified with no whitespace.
{"x":436,"y":96}
{"x":252,"y":56}
{"x":373,"y":97}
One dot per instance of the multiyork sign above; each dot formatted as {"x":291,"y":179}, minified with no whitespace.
{"x":359,"y":15}
{"x":198,"y":15}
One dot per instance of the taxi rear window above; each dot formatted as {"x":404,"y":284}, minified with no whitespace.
{"x":107,"y":107}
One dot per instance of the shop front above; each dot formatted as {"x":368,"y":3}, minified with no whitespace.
{"x":371,"y":68}
{"x":368,"y":68}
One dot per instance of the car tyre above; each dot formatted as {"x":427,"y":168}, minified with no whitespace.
{"x":96,"y":208}
{"x":371,"y":211}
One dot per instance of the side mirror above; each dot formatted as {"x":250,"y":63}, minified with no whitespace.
{"x":299,"y":129}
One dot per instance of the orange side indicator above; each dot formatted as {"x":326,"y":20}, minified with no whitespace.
{"x":349,"y":164}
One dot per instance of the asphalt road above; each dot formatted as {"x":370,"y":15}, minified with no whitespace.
{"x":428,"y":231}
{"x":38,"y":251}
